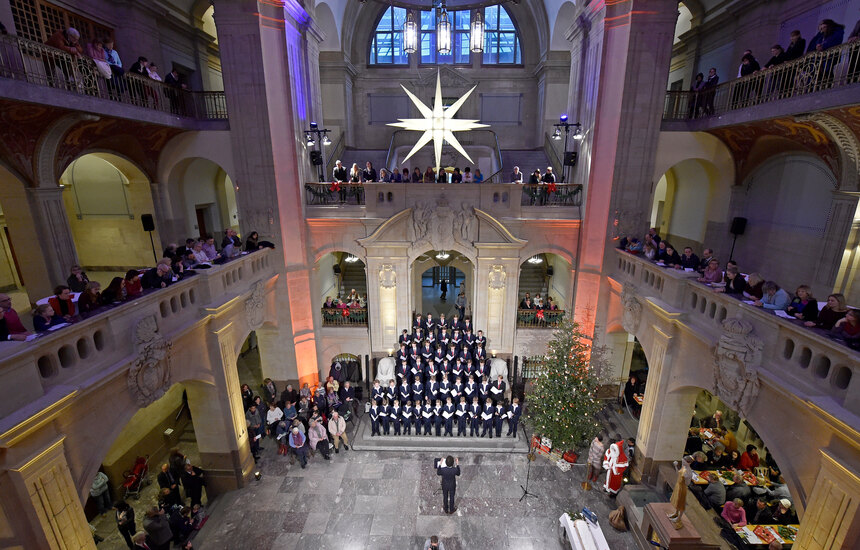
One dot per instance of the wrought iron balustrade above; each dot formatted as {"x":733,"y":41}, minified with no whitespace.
{"x":539,"y":318}
{"x":334,"y":193}
{"x":833,"y":68}
{"x":552,"y":194}
{"x":344,"y":317}
{"x":41,"y":65}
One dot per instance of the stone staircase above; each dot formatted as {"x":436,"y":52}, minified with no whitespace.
{"x":532,"y":280}
{"x":353,"y":276}
{"x":526,"y":159}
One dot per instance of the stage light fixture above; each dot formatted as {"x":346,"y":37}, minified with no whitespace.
{"x":258,"y":475}
{"x":556,"y":135}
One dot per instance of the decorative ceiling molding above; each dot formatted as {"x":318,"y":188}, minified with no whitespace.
{"x":848,"y":144}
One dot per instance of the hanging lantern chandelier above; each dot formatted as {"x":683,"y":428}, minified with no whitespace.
{"x":476,"y":39}
{"x":410,"y":34}
{"x":443,"y":33}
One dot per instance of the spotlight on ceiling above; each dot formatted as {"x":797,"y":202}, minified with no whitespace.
{"x":578,"y":135}
{"x":534,"y":260}
{"x":351,"y":259}
{"x":442,"y":255}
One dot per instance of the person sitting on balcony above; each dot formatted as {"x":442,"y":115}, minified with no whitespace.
{"x":755,"y":284}
{"x":796,"y":46}
{"x":550,"y":304}
{"x":152,"y":72}
{"x":649,"y":251}
{"x":688,"y":260}
{"x":442,"y":177}
{"x":429,"y":176}
{"x":384,"y":176}
{"x":67,"y":40}
{"x":209,"y":248}
{"x":467,"y":175}
{"x":44,"y":318}
{"x":478,"y":177}
{"x":253,"y":242}
{"x":735,"y":283}
{"x":848,"y":328}
{"x":526,"y":302}
{"x":339,"y":173}
{"x":416,"y":175}
{"x":230,"y":236}
{"x":329,"y":303}
{"x":354,"y":173}
{"x":160,"y":276}
{"x":115,"y":292}
{"x":457,"y":176}
{"x":773,"y":297}
{"x":406,"y":178}
{"x":91,"y":299}
{"x":830,"y":33}
{"x":712,"y":274}
{"x":13,"y":321}
{"x":669,"y":256}
{"x":634,"y":246}
{"x":535,"y":177}
{"x":369,"y":174}
{"x":804,"y":306}
{"x":549,"y":177}
{"x":830,"y":314}
{"x":395,"y":176}
{"x":78,"y":279}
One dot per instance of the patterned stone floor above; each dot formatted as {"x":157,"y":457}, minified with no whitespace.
{"x":382,"y":500}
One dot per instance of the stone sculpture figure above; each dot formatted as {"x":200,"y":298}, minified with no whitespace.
{"x":149,"y":376}
{"x":737,"y":357}
{"x":385,"y":370}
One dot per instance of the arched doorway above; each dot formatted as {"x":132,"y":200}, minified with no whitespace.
{"x":546,"y":279}
{"x":206,"y":197}
{"x":437,"y":270}
{"x":105,"y":196}
{"x":341,"y":281}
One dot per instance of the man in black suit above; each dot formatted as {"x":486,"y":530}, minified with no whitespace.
{"x":167,"y":481}
{"x":449,"y":473}
{"x":339,"y":173}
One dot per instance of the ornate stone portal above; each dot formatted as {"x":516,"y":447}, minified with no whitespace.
{"x":442,"y":227}
{"x":632,"y":309}
{"x":149,"y":375}
{"x":737,"y":357}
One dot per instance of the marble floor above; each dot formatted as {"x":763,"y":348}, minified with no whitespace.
{"x":388,"y":500}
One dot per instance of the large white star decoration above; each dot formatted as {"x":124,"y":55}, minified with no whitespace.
{"x":438,"y":123}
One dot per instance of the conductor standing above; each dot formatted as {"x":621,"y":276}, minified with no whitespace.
{"x":449,"y":473}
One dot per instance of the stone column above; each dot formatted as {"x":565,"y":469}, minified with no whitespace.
{"x":41,"y":505}
{"x":832,"y":516}
{"x":170,"y":228}
{"x":267,"y":97}
{"x":843,"y":207}
{"x":665,"y":415}
{"x":622,"y":118}
{"x":388,"y":288}
{"x":52,"y":230}
{"x":219,"y":418}
{"x":496,"y":281}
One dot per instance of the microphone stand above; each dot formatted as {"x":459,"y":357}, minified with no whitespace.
{"x":530,"y":457}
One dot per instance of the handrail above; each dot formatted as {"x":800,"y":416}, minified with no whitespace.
{"x":42,"y":65}
{"x":551,"y":194}
{"x":814,"y":72}
{"x":334,"y":155}
{"x":344,"y":317}
{"x":552,"y":154}
{"x":539,"y":318}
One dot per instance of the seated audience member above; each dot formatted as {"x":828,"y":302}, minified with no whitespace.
{"x":773,"y":297}
{"x":395,"y":176}
{"x":5,"y":335}
{"x":159,"y":276}
{"x":739,"y":488}
{"x":755,"y":286}
{"x":329,"y":303}
{"x":670,"y":256}
{"x":688,"y":260}
{"x":384,"y":176}
{"x":650,"y":252}
{"x":416,"y":175}
{"x":717,"y":457}
{"x":699,"y":463}
{"x":715,"y":421}
{"x":115,"y":292}
{"x":831,"y":313}
{"x":548,"y":177}
{"x":735,"y":283}
{"x":634,"y":246}
{"x":804,"y":306}
{"x":44,"y":318}
{"x":91,"y":299}
{"x":456,"y":177}
{"x":694,"y":442}
{"x":133,"y":286}
{"x":729,"y":441}
{"x":734,"y":458}
{"x":759,"y":513}
{"x":783,"y":514}
{"x":734,"y":513}
{"x":252,"y":243}
{"x":467,"y":175}
{"x":200,"y":255}
{"x":429,"y":176}
{"x":749,"y":459}
{"x":707,"y":256}
{"x":478,"y":177}
{"x":13,"y":321}
{"x":78,"y":280}
{"x":715,"y":492}
{"x":369,"y":173}
{"x":318,"y":439}
{"x":230,"y":251}
{"x":848,"y":328}
{"x":406,"y":178}
{"x":230,"y":236}
{"x":62,"y":303}
{"x":712,"y":274}
{"x":209,"y":248}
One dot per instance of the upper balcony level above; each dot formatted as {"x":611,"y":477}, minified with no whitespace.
{"x":819,"y":81}
{"x":505,"y":200}
{"x":35,"y":73}
{"x":63,"y":359}
{"x":827,"y":370}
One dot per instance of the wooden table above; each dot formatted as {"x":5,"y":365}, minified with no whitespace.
{"x":699,"y":480}
{"x":747,"y":534}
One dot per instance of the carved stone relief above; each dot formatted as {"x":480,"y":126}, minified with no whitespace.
{"x":442,"y":227}
{"x":498,"y":277}
{"x":737,"y":358}
{"x":254,"y":312}
{"x":149,"y":375}
{"x":387,"y":276}
{"x":632,"y":314}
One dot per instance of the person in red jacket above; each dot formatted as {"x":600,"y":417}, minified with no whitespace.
{"x":62,"y":302}
{"x":13,"y":322}
{"x":749,"y":459}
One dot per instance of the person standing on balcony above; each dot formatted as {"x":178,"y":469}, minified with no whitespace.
{"x":830,"y":33}
{"x":696,"y":88}
{"x":796,"y":47}
{"x":369,"y":173}
{"x":710,"y":87}
{"x":416,"y":175}
{"x":67,"y":40}
{"x":517,"y":176}
{"x":339,"y":173}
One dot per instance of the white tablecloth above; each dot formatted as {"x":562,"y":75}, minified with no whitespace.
{"x":583,"y":535}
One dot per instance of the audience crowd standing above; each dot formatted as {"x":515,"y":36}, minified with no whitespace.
{"x":176,"y":264}
{"x":835,"y":319}
{"x":830,"y":34}
{"x":355,"y":175}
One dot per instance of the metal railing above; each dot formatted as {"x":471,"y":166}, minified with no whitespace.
{"x":334,"y":193}
{"x":344,"y":317}
{"x":42,"y":65}
{"x":539,"y":318}
{"x":552,"y":194}
{"x":817,"y":71}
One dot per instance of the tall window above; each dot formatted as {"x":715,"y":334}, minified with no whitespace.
{"x":37,"y":20}
{"x":387,"y":45}
{"x":501,"y":42}
{"x":460,"y":53}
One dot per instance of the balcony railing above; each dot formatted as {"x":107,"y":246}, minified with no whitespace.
{"x":344,"y":317}
{"x":42,"y":65}
{"x":61,"y":357}
{"x":334,"y":193}
{"x":552,"y":194}
{"x":826,"y":366}
{"x":832,"y":68}
{"x":539,"y":318}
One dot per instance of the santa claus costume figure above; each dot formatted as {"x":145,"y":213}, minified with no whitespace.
{"x":615,"y":463}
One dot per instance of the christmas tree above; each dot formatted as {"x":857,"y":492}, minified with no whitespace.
{"x":563,"y":404}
